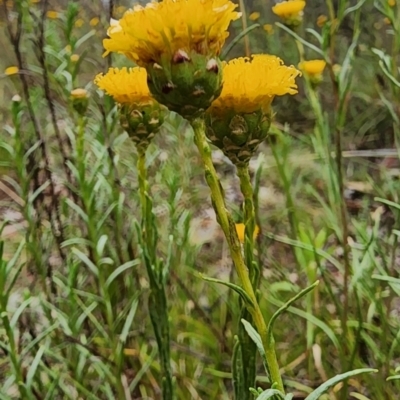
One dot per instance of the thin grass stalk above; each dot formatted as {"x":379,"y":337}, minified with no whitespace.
{"x":157,"y":302}
{"x":229,"y":229}
{"x":247,"y":348}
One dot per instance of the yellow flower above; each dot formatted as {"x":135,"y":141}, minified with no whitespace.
{"x":74,"y":58}
{"x":52,"y":14}
{"x":94,"y":21}
{"x":254,"y":16}
{"x":147,"y":34}
{"x":79,"y":93}
{"x":313,"y":67}
{"x":126,"y":85}
{"x":250,"y":84}
{"x":11,"y":70}
{"x":268,"y":28}
{"x":240,"y":229}
{"x":391,"y":3}
{"x":240,"y":118}
{"x":289,"y":9}
{"x":321,"y":20}
{"x":79,"y":23}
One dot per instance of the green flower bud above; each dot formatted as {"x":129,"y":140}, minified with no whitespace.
{"x":188,"y":84}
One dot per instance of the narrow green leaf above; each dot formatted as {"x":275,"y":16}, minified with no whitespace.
{"x":236,"y":288}
{"x":128,"y":321}
{"x":236,"y":40}
{"x":393,"y":377}
{"x":120,"y":270}
{"x":85,"y":259}
{"x":333,"y":381}
{"x":256,"y":338}
{"x":34,"y":366}
{"x":286,"y":306}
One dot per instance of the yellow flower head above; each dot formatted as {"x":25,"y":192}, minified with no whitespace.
{"x":254,"y":16}
{"x":79,"y":93}
{"x":250,"y":84}
{"x":126,"y":85}
{"x":313,"y":67}
{"x":240,"y":229}
{"x":321,"y":20}
{"x":268,"y":28}
{"x":94,"y":21}
{"x":391,"y":3}
{"x":52,"y":14}
{"x":289,"y":9}
{"x":79,"y":23}
{"x":11,"y":70}
{"x":145,"y":34}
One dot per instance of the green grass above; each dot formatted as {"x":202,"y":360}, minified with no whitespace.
{"x":75,"y":328}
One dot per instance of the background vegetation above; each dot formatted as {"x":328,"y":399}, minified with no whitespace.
{"x":73,"y":290}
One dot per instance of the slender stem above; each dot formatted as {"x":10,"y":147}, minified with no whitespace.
{"x":249,"y":220}
{"x":229,"y":229}
{"x":158,"y":305}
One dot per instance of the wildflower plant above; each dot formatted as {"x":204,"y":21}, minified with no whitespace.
{"x":92,"y":201}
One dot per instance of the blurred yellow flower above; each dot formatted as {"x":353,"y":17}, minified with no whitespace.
{"x":125,"y":85}
{"x":240,"y":229}
{"x":94,"y":21}
{"x":288,"y":9}
{"x":268,"y":28}
{"x":159,"y":30}
{"x":74,"y":57}
{"x":52,"y":14}
{"x":387,"y":21}
{"x":254,"y":16}
{"x":250,"y":84}
{"x":321,"y":20}
{"x":68,"y":49}
{"x":11,"y":70}
{"x":312,"y":67}
{"x":79,"y":23}
{"x":79,"y":93}
{"x":120,"y":10}
{"x":392,"y":3}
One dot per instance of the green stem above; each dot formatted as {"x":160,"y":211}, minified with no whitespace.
{"x":229,"y":229}
{"x":158,"y":305}
{"x":248,"y":347}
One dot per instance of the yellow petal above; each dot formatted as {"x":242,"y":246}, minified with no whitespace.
{"x":240,"y":229}
{"x":312,"y":67}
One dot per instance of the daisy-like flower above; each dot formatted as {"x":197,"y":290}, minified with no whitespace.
{"x":178,"y":42}
{"x":140,"y":114}
{"x":313,"y":69}
{"x":147,"y":34}
{"x":238,"y":121}
{"x":290,"y":11}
